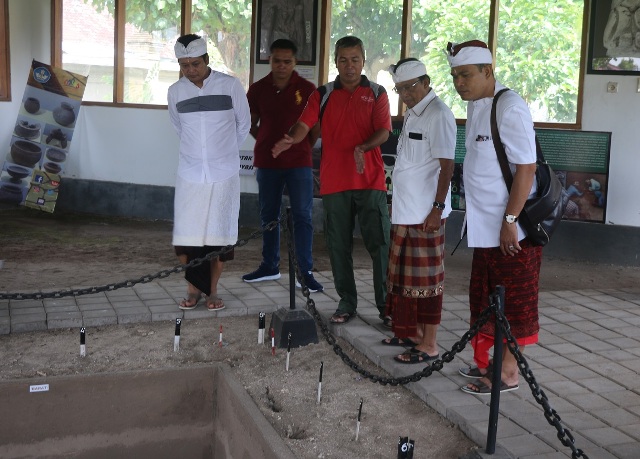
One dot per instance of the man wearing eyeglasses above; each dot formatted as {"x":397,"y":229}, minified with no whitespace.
{"x":421,"y":204}
{"x":355,"y":121}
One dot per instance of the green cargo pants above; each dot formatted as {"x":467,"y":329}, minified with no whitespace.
{"x":340,"y":211}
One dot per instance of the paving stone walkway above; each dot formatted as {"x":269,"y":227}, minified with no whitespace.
{"x":587,"y":361}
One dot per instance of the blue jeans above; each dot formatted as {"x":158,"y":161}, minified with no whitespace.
{"x":299,"y":183}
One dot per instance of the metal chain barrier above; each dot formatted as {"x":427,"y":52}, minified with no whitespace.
{"x":437,"y":365}
{"x":564,"y":435}
{"x":141,"y":280}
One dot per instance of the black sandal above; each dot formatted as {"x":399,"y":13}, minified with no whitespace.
{"x":395,"y":341}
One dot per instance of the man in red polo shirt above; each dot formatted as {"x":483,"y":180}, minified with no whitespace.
{"x":355,"y":121}
{"x":276,"y":101}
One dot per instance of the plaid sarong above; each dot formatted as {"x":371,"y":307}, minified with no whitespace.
{"x":415,"y":278}
{"x":519,"y":275}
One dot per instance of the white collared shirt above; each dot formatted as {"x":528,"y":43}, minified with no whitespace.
{"x":212,"y":122}
{"x":486,"y":194}
{"x":428,"y":133}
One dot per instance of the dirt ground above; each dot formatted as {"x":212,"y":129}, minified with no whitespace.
{"x":56,"y":251}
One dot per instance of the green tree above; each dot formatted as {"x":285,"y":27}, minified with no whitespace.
{"x":227,"y":23}
{"x":538,"y":48}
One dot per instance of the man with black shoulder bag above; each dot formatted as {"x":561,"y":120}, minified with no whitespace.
{"x":502,"y":253}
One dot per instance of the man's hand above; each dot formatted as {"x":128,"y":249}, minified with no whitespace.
{"x":432,"y":223}
{"x":282,"y":145}
{"x":509,"y":239}
{"x":358,"y":155}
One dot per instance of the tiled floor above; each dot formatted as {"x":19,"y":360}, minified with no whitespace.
{"x":587,"y":361}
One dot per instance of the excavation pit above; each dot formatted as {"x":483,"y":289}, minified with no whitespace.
{"x":200,"y":412}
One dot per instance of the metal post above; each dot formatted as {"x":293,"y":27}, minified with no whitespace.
{"x":496,"y":298}
{"x":292,"y":269}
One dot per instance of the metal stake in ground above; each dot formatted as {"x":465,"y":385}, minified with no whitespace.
{"x":273,"y":342}
{"x":261,"y":320}
{"x":176,"y":338}
{"x":358,"y":421}
{"x":288,"y":351}
{"x":320,"y":383}
{"x":82,"y":345}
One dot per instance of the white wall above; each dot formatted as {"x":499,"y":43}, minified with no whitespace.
{"x":140,"y":146}
{"x":618,"y":113}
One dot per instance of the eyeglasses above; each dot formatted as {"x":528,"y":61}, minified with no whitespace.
{"x":399,"y":89}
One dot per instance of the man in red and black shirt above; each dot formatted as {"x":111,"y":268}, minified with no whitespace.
{"x":355,"y":121}
{"x":276,"y":101}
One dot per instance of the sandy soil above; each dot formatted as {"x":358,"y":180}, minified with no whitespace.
{"x":56,"y":251}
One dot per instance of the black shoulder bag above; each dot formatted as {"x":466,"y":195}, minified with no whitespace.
{"x":542,"y":213}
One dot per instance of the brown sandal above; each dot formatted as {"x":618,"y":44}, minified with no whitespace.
{"x":340,"y":317}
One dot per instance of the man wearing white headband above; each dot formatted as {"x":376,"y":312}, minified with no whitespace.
{"x":421,"y":204}
{"x":502,"y":254}
{"x":210,"y":113}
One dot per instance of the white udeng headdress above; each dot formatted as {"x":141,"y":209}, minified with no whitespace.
{"x":196,"y":48}
{"x":408,"y":70}
{"x":469,"y":52}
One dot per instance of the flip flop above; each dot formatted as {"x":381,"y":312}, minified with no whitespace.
{"x":483,"y":388}
{"x":214,"y":303}
{"x":190,"y":302}
{"x":395,"y":341}
{"x":415,"y":356}
{"x":474,"y":372}
{"x":340,"y":317}
{"x":387,"y":322}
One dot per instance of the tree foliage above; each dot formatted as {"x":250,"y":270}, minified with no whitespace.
{"x":227,"y":24}
{"x":538,"y":46}
{"x":537,"y":55}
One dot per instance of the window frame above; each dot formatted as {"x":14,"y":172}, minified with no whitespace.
{"x":5,"y":57}
{"x":324,"y":53}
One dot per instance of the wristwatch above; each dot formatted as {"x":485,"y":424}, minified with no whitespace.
{"x":510,"y":218}
{"x":439,"y":205}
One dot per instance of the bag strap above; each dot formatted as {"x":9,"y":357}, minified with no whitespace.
{"x":499,"y":147}
{"x":497,"y":143}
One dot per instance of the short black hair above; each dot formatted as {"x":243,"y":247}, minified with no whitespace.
{"x":186,"y":39}
{"x":284,"y":43}
{"x":349,"y":41}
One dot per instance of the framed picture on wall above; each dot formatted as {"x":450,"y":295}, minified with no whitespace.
{"x":296,"y":20}
{"x":614,"y":37}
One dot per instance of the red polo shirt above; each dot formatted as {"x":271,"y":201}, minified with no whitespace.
{"x":348,"y":120}
{"x":278,"y":111}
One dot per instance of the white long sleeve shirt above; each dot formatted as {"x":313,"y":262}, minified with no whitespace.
{"x":212,"y":122}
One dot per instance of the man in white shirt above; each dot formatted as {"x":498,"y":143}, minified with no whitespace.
{"x":421,"y":204}
{"x":210,"y":113}
{"x":502,"y":255}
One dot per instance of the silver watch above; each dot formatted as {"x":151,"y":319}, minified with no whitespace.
{"x":510,"y":218}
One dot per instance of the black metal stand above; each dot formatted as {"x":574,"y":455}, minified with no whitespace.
{"x":298,"y":322}
{"x":496,"y":379}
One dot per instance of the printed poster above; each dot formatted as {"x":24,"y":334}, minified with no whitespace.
{"x":42,"y":136}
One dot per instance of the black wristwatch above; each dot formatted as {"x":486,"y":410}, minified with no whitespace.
{"x":438,"y":205}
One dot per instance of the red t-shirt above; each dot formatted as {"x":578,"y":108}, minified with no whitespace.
{"x":278,"y":111}
{"x":348,"y":120}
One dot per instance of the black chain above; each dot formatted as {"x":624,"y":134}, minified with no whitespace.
{"x":437,"y":364}
{"x":141,"y":280}
{"x":564,"y":435}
